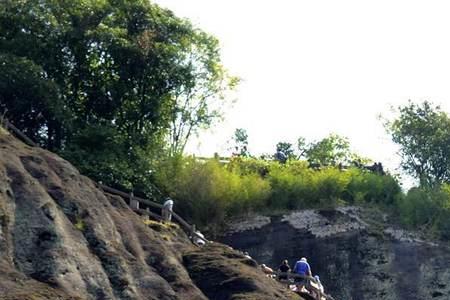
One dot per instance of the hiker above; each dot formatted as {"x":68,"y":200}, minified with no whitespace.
{"x":197,"y":240}
{"x":266,"y":270}
{"x":319,"y":284}
{"x":284,"y":268}
{"x":319,"y":290}
{"x":302,"y":268}
{"x":166,"y":211}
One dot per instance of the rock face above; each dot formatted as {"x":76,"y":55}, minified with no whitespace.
{"x":357,"y":255}
{"x":63,"y":238}
{"x":222,"y":274}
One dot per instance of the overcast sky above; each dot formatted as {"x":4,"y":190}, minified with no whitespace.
{"x":310,"y":68}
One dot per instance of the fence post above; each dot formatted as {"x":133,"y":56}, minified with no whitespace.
{"x":134,"y":204}
{"x":147,"y":215}
{"x":193,"y":232}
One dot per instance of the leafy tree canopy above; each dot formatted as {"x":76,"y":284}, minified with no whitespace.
{"x":329,"y":151}
{"x":423,"y":133}
{"x":286,"y":148}
{"x":240,"y":140}
{"x":107,"y":82}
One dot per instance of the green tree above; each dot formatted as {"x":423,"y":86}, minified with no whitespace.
{"x":302,"y":147}
{"x":102,"y":81}
{"x":20,"y":79}
{"x":240,"y":140}
{"x":423,"y":133}
{"x":286,"y":148}
{"x":199,"y":102}
{"x":331,"y":150}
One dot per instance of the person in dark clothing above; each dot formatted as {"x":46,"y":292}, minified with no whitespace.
{"x":284,"y":268}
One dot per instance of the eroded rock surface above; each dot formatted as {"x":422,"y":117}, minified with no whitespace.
{"x":357,"y":254}
{"x":320,"y":226}
{"x":249,"y":223}
{"x":223,"y":274}
{"x":59,"y":229}
{"x":63,"y":238}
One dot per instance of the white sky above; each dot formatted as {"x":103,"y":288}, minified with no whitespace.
{"x":314,"y":67}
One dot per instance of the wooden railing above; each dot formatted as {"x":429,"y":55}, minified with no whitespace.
{"x":185,"y":225}
{"x":10,"y":127}
{"x":134,"y":201}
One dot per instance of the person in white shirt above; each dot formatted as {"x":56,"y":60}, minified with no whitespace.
{"x":166,"y":211}
{"x":197,"y":240}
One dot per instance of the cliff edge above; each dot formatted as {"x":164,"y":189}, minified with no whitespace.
{"x":359,"y":252}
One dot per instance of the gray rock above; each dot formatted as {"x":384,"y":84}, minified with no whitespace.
{"x":357,"y":254}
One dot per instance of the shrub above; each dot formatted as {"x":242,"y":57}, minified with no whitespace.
{"x":367,"y":187}
{"x":427,"y":209}
{"x":207,"y":192}
{"x":331,"y":184}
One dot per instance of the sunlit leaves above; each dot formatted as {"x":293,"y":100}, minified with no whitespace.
{"x":126,"y":68}
{"x":423,"y":133}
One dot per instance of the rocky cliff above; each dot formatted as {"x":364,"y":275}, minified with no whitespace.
{"x":63,"y":238}
{"x":357,"y":254}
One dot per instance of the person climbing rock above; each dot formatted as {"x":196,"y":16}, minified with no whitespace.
{"x":266,"y":270}
{"x":317,"y":294}
{"x":302,"y":268}
{"x":284,"y":268}
{"x":166,"y":211}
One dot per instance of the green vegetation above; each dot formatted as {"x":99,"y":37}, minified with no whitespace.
{"x":80,"y":224}
{"x":118,"y":87}
{"x":331,"y":150}
{"x":240,"y":140}
{"x":423,"y":134}
{"x":160,"y":226}
{"x":209,"y":191}
{"x":108,"y":84}
{"x":427,"y":209}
